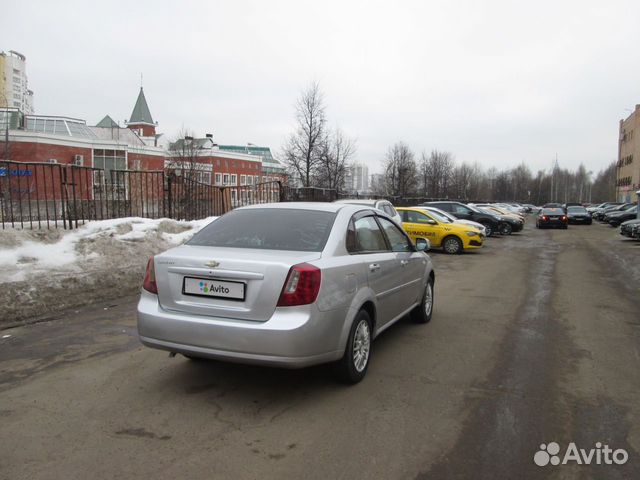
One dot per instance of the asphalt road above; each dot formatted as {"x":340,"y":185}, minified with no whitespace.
{"x":534,"y":339}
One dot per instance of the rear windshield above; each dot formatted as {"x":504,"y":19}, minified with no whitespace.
{"x":576,"y":209}
{"x":268,"y":229}
{"x":552,"y":211}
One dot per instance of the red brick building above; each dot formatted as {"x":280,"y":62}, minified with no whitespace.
{"x":138,"y":147}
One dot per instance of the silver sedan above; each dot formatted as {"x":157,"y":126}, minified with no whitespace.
{"x":287,"y":284}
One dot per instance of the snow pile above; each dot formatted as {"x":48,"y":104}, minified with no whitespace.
{"x":42,"y":271}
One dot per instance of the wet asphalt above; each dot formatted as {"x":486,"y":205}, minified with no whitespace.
{"x":534,"y":339}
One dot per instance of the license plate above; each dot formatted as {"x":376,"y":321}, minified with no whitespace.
{"x":206,"y":287}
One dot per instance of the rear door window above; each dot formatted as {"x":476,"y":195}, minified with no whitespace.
{"x":369,"y":237}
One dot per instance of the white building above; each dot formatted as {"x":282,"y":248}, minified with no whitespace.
{"x":357,"y":178}
{"x":360,"y":177}
{"x":14,"y":90}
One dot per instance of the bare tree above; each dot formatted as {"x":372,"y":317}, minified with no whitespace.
{"x":400,"y":170}
{"x":461,"y":181}
{"x":335,"y":154}
{"x":303,"y":150}
{"x":438,"y":169}
{"x":183,"y":156}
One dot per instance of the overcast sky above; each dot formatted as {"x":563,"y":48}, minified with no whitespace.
{"x":496,"y":82}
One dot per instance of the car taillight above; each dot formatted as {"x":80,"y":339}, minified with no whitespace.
{"x":545,"y":218}
{"x":563,"y":218}
{"x":149,"y":283}
{"x":301,"y":286}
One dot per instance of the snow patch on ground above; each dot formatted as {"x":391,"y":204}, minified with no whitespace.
{"x":42,"y":271}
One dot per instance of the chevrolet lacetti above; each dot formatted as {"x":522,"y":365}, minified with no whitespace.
{"x":287,"y":284}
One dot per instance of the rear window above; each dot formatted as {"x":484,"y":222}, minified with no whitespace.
{"x":268,"y":229}
{"x":552,"y":211}
{"x":576,"y":209}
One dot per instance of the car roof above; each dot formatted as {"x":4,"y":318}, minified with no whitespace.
{"x":319,"y":206}
{"x":361,"y":201}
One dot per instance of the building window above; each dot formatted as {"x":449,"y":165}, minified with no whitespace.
{"x":109,"y":161}
{"x":234,"y":179}
{"x":225,"y":179}
{"x":205,"y":177}
{"x":243,"y":179}
{"x":218,"y":178}
{"x":256,"y":179}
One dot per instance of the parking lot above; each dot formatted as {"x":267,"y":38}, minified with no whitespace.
{"x":535,"y":338}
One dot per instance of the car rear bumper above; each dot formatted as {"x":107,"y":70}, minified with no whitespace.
{"x":552,"y":224}
{"x":294,"y":337}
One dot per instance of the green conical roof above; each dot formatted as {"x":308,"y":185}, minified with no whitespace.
{"x":141,"y":113}
{"x":107,"y":122}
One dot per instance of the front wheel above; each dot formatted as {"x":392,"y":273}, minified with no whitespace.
{"x":353,"y":366}
{"x":452,"y":245}
{"x":422,"y":313}
{"x":487,"y":229}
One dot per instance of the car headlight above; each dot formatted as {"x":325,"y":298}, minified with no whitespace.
{"x":471,"y":234}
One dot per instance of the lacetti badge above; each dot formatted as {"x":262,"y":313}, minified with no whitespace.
{"x":212,"y":264}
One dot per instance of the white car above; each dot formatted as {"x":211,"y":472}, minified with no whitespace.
{"x":383,"y":205}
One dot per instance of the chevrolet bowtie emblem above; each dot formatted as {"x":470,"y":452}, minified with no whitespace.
{"x":212,"y":264}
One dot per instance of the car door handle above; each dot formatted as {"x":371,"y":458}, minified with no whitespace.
{"x":404,"y":262}
{"x":374,"y":267}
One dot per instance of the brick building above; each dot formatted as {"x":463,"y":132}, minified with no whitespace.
{"x":628,"y":174}
{"x":138,"y":147}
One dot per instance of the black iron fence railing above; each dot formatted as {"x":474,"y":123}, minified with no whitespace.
{"x":52,"y":195}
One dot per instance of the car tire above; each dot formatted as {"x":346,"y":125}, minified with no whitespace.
{"x":452,"y":245}
{"x":488,"y":229}
{"x":423,"y":312}
{"x":352,"y":367}
{"x":505,"y":229}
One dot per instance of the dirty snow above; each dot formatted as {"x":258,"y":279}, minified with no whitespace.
{"x":42,"y":271}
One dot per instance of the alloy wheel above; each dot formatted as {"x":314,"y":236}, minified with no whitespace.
{"x":361,"y":345}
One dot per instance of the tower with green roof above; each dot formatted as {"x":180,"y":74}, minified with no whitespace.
{"x":141,"y":121}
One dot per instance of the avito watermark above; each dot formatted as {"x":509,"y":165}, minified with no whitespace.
{"x":549,"y":454}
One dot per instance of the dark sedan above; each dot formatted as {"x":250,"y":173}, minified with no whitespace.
{"x":578,"y":215}
{"x":627,"y":228}
{"x":552,"y":217}
{"x":616,"y":218}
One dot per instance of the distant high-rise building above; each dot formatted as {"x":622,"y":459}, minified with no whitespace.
{"x":14,"y":91}
{"x":357,"y":178}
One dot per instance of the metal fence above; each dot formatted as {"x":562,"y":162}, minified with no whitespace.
{"x":51,"y":195}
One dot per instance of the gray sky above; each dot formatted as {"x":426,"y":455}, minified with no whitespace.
{"x":497,"y":82}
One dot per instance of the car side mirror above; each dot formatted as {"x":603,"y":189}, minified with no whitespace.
{"x":422,"y":244}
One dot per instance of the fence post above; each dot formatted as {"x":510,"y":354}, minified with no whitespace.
{"x":169,"y":195}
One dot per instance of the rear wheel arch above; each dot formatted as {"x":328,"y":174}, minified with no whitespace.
{"x":370,"y":308}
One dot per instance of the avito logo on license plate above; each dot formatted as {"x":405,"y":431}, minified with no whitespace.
{"x":213,"y":288}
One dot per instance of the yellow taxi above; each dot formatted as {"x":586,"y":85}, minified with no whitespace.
{"x":441,"y":232}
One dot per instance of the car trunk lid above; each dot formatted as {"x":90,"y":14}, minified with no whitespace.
{"x":236,"y":283}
